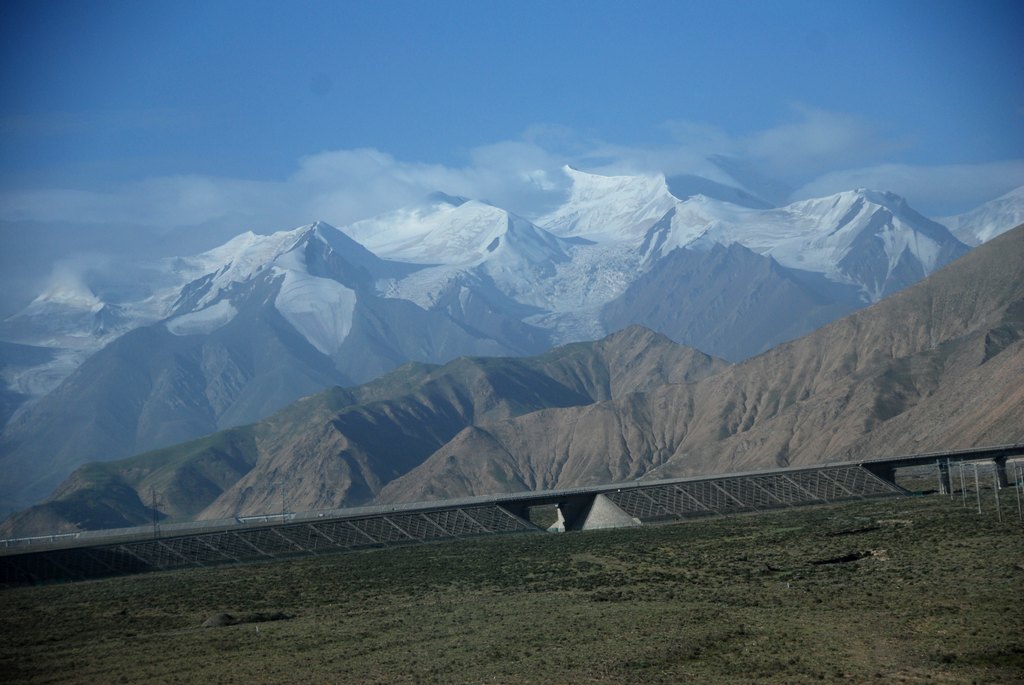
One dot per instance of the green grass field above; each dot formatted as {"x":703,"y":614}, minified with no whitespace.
{"x":896,"y":590}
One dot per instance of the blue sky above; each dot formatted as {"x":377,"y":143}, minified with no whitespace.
{"x":220,"y":116}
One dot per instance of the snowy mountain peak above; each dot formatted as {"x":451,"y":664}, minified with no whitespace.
{"x":448,"y":231}
{"x":316,"y":249}
{"x":66,"y":315}
{"x":879,"y":197}
{"x":243,"y":255}
{"x":210,"y":273}
{"x":609,"y":208}
{"x":862,"y":237}
{"x":315,"y":270}
{"x":844,"y":202}
{"x":75,"y":295}
{"x":990,"y":219}
{"x":432,"y":232}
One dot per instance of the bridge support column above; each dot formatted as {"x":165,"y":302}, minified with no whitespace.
{"x":883,"y":471}
{"x":572,"y":512}
{"x":517,"y":509}
{"x":590,"y":512}
{"x":606,"y":514}
{"x":944,"y":484}
{"x":1000,"y":464}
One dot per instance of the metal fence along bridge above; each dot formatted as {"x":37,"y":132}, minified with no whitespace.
{"x":96,"y":554}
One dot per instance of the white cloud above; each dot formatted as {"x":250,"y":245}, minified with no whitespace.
{"x":937,"y":190}
{"x":812,"y":142}
{"x":818,"y":151}
{"x":153,"y":203}
{"x":818,"y":141}
{"x":46,"y":205}
{"x":338,"y":186}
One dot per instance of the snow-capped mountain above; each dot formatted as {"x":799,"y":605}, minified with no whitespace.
{"x":509,"y":281}
{"x":993,"y":218}
{"x":72,"y":322}
{"x":67,"y":323}
{"x":230,"y":335}
{"x":868,"y":239}
{"x":274,"y":318}
{"x":454,"y":237}
{"x":315,"y":272}
{"x":455,"y":231}
{"x":474,"y":261}
{"x":609,"y":208}
{"x":73,"y":318}
{"x":554,"y":280}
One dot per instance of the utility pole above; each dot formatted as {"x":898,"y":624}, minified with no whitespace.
{"x":1018,"y":473}
{"x":963,"y":487}
{"x":995,"y":491}
{"x":154,"y":504}
{"x":977,"y":486}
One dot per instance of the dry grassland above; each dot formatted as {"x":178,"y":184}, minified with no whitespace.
{"x":898,"y":590}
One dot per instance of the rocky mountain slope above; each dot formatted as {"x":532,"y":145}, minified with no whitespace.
{"x":729,"y":299}
{"x":278,"y":319}
{"x":937,"y":366}
{"x":870,"y":240}
{"x":229,"y":336}
{"x":340,"y":447}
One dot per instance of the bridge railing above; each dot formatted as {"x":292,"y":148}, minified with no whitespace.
{"x":273,"y":519}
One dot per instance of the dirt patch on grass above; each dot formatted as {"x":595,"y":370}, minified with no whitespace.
{"x":853,"y":531}
{"x":222,"y":619}
{"x":844,"y":559}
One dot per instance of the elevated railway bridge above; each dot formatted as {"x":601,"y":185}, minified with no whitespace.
{"x":95,"y":554}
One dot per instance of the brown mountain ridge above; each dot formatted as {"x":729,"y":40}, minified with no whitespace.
{"x":341,"y":446}
{"x":938,"y":365}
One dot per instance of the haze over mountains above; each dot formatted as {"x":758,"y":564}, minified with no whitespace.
{"x":354,"y":441}
{"x":937,"y":366}
{"x":228,"y":337}
{"x":983,"y":223}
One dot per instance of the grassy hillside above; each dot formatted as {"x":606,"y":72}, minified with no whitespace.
{"x":911,"y":590}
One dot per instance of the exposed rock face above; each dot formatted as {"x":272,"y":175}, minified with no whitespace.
{"x":220,"y":339}
{"x":161,"y":384}
{"x":937,"y":366}
{"x":350,"y":458}
{"x":341,"y":447}
{"x":729,"y":299}
{"x":150,"y":389}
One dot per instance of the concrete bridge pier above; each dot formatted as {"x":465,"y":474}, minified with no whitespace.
{"x":572,"y":512}
{"x":886,"y":472}
{"x":590,"y":512}
{"x":945,"y":487}
{"x":1000,"y":464}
